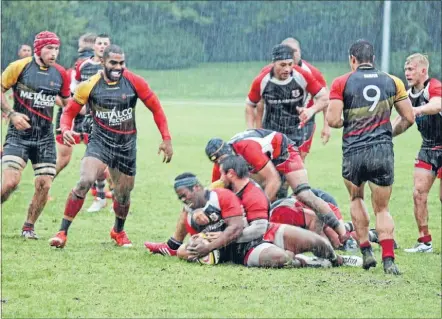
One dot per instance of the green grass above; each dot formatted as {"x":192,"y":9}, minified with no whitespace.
{"x":91,"y":278}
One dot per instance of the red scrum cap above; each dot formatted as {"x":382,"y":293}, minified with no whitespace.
{"x":44,"y":38}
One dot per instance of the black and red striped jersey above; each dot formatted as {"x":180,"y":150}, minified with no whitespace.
{"x":368,"y":96}
{"x":35,"y":88}
{"x":430,"y":126}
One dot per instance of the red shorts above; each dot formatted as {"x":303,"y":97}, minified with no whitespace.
{"x":428,"y":167}
{"x":288,"y":215}
{"x":83,"y":137}
{"x":292,"y":163}
{"x":307,"y":144}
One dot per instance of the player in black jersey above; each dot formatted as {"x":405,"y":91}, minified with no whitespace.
{"x":366,"y":96}
{"x":112,"y":96}
{"x":425,"y":95}
{"x":36,"y":82}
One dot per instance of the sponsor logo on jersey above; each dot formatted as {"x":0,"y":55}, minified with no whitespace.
{"x":40,"y":99}
{"x":115,"y":117}
{"x":370,"y":76}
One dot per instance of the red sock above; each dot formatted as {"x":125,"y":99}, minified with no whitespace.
{"x":120,"y":210}
{"x":73,"y":205}
{"x":365,"y":245}
{"x":387,"y":248}
{"x":425,"y":239}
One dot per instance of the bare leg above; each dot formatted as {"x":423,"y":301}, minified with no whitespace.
{"x":12,"y":167}
{"x":358,"y":210}
{"x":123,"y":185}
{"x":423,"y":180}
{"x":319,"y":206}
{"x":64,"y":154}
{"x":42,"y":186}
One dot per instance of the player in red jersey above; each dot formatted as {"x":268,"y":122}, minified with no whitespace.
{"x":36,"y":82}
{"x":303,"y":136}
{"x":112,"y":96}
{"x":365,"y":97}
{"x":425,"y":95}
{"x":269,"y":154}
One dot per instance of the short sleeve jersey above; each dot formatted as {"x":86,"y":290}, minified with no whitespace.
{"x":368,"y":96}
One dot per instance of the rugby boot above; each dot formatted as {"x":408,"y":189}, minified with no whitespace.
{"x":97,"y":205}
{"x":420,"y":248}
{"x":390,"y":267}
{"x":368,"y":259}
{"x":120,"y":238}
{"x":59,"y":240}
{"x":160,"y":248}
{"x":29,"y":233}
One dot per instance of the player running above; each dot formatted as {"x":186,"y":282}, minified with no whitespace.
{"x":112,"y":96}
{"x":425,"y":95}
{"x":36,"y":82}
{"x":366,"y":97}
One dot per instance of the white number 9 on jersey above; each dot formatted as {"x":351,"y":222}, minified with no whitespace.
{"x":374,"y":98}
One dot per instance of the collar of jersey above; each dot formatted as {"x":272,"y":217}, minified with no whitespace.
{"x":284,"y":82}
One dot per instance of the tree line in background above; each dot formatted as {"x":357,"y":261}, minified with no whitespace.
{"x":181,"y":34}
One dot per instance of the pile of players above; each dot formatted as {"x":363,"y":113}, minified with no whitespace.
{"x":249,"y":224}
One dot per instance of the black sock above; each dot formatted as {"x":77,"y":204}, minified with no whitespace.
{"x":100,"y":189}
{"x":173,"y":243}
{"x":119,"y":224}
{"x":28,"y":226}
{"x":65,"y":224}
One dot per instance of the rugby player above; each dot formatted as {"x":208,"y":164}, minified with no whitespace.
{"x":269,"y":153}
{"x":112,"y":95}
{"x":365,"y":96}
{"x":84,"y":69}
{"x":284,"y":88}
{"x":36,"y":82}
{"x":304,"y":135}
{"x":249,"y":248}
{"x":425,"y":95}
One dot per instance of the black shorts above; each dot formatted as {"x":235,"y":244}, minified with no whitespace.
{"x":120,"y":157}
{"x":304,"y":134}
{"x":38,"y":151}
{"x":430,"y":160}
{"x":375,"y":163}
{"x":237,"y":252}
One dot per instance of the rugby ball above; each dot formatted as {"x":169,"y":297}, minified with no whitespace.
{"x":211,"y":258}
{"x":352,"y":261}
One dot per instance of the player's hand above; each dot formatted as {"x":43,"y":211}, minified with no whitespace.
{"x":20,"y":121}
{"x":417,"y":111}
{"x":197,"y":248}
{"x":166,"y":148}
{"x":305,"y":114}
{"x":213,"y":235}
{"x":325,"y":134}
{"x":338,"y":261}
{"x":69,"y":137}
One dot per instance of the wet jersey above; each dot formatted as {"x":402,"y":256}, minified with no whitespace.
{"x":113,"y":107}
{"x":282,"y":97}
{"x":35,"y":89}
{"x":221,"y":204}
{"x":316,"y":74}
{"x":84,"y":70}
{"x":368,"y":96}
{"x":258,"y":146}
{"x":430,"y":126}
{"x":254,"y":201}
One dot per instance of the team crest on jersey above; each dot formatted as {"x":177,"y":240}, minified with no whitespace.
{"x":214,"y":217}
{"x":296,"y":93}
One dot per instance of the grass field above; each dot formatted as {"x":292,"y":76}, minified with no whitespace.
{"x":91,"y":278}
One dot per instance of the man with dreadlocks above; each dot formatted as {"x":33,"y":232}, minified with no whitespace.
{"x":36,"y":82}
